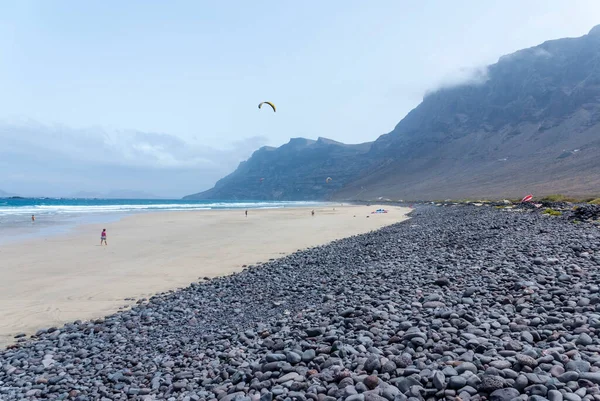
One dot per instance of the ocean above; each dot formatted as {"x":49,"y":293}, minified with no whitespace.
{"x":59,"y":215}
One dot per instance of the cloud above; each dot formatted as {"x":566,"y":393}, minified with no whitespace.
{"x":461,"y":77}
{"x":478,"y":75}
{"x":540,"y":52}
{"x":61,"y":160}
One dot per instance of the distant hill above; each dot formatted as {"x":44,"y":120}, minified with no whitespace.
{"x":116,"y":194}
{"x":4,"y":194}
{"x":532,"y":125}
{"x":297,"y":170}
{"x":87,"y":195}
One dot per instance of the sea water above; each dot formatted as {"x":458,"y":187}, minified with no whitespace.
{"x":59,"y":215}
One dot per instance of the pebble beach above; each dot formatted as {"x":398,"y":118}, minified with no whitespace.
{"x":456,"y":303}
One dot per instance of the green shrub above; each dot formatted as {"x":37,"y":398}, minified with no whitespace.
{"x":552,"y":212}
{"x":595,"y":201}
{"x":558,"y":198}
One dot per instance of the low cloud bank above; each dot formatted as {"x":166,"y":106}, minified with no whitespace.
{"x":461,"y":77}
{"x":54,"y":160}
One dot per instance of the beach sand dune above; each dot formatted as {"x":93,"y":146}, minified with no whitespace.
{"x":50,"y":281}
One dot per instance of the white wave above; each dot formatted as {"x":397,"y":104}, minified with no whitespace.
{"x":116,"y":208}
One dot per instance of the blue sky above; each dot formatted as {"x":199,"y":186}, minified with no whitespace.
{"x":161,"y":96}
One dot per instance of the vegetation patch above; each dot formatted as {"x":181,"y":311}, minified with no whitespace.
{"x":571,"y":199}
{"x":552,"y":212}
{"x":559,"y":198}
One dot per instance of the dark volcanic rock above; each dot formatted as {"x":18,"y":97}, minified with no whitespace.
{"x":490,"y":383}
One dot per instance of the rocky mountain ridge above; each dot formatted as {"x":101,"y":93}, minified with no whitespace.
{"x":532,"y":125}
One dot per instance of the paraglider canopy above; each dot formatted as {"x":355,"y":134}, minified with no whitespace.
{"x":270,"y":104}
{"x":527,"y":198}
{"x":328,"y":180}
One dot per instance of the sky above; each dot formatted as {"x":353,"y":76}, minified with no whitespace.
{"x":162,"y":97}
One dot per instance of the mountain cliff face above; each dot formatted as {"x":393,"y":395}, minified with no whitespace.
{"x":532,"y":125}
{"x":297,"y":170}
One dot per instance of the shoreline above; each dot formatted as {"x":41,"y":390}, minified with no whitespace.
{"x":15,"y":224}
{"x":59,"y":279}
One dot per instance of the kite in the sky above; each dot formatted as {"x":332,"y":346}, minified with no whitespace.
{"x":270,"y":104}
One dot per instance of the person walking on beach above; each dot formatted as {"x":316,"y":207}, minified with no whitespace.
{"x":246,"y":213}
{"x":32,"y":218}
{"x":103,"y":237}
{"x":312,"y":212}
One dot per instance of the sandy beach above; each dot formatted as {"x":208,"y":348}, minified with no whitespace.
{"x":50,"y":281}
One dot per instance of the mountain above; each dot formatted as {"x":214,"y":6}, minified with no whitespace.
{"x":116,"y":194}
{"x":297,"y":170}
{"x":4,"y":194}
{"x":87,"y":195}
{"x":531,"y":125}
{"x":130,"y":194}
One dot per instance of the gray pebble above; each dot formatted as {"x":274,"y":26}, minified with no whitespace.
{"x":505,"y":394}
{"x":457,"y":382}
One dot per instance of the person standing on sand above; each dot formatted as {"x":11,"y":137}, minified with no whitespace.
{"x":246,"y":213}
{"x":103,"y":237}
{"x":312,"y":212}
{"x":33,"y":218}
